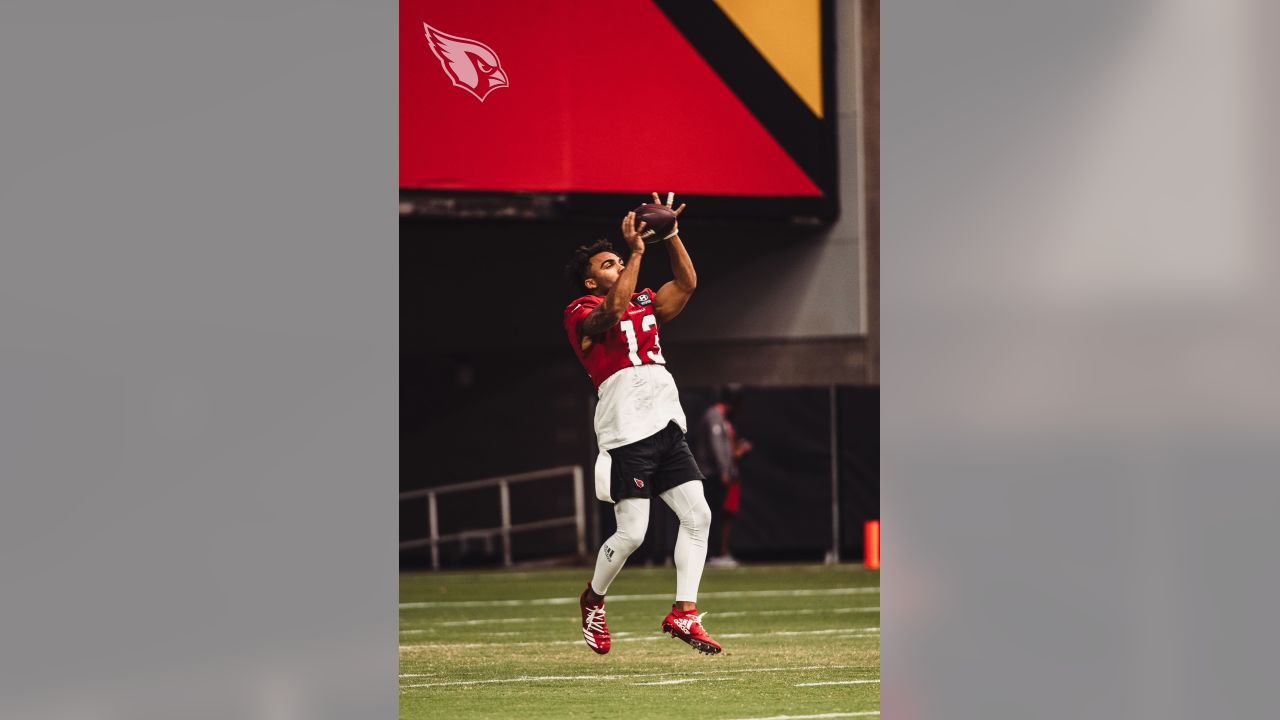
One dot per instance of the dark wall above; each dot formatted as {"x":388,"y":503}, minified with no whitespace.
{"x":858,"y":444}
{"x":495,"y":284}
{"x":786,"y":496}
{"x":786,"y":479}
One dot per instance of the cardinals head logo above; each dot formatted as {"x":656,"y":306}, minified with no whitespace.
{"x":472,"y":65}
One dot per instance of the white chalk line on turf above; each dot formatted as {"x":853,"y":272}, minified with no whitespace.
{"x":678,"y":681}
{"x":649,"y":596}
{"x":543,"y":678}
{"x":841,"y":632}
{"x":809,"y":611}
{"x":863,"y":714}
{"x":868,"y":632}
{"x":576,"y":621}
{"x":504,"y":621}
{"x":837,"y":682}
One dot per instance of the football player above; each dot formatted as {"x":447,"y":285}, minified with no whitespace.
{"x":718,"y":450}
{"x":639,"y":423}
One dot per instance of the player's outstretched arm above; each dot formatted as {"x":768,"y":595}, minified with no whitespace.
{"x":610,"y":312}
{"x":673,"y":296}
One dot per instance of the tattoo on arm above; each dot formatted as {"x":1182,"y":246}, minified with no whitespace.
{"x":599,"y":320}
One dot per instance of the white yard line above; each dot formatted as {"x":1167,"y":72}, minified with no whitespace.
{"x":677,"y":681}
{"x":865,"y":713}
{"x":727,"y":594}
{"x":838,"y":682}
{"x":542,"y":678}
{"x":505,"y":621}
{"x":809,"y":611}
{"x":572,"y":620}
{"x":532,"y":643}
{"x":846,"y":632}
{"x":412,"y":675}
{"x":868,"y":632}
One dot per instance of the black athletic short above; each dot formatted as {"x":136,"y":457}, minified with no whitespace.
{"x":652,"y":466}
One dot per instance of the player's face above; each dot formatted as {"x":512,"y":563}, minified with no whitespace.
{"x":603,"y":272}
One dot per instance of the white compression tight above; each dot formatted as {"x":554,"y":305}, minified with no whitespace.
{"x":632,"y":514}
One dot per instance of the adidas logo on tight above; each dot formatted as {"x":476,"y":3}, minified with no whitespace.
{"x":608,"y":553}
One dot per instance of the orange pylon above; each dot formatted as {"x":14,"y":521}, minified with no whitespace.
{"x":872,"y":545}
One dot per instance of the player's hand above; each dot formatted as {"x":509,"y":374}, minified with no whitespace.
{"x":632,"y":233}
{"x":726,"y":478}
{"x":744,"y":447}
{"x":671,"y":198}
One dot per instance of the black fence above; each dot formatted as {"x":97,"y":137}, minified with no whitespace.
{"x":788,"y":493}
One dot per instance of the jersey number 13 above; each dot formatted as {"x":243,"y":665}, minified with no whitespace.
{"x":629,"y":329}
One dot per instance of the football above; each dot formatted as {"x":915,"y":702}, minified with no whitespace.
{"x":660,"y":218}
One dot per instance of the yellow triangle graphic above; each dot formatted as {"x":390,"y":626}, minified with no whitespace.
{"x":788,"y":35}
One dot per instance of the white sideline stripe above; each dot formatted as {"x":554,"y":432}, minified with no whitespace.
{"x":844,"y":632}
{"x":812,"y":611}
{"x":838,"y":682}
{"x":542,"y":643}
{"x":861,"y":632}
{"x":417,"y":674}
{"x":650,"y":596}
{"x":677,"y":681}
{"x":502,"y":620}
{"x":540,"y":678}
{"x":731,"y":613}
{"x":865,"y":713}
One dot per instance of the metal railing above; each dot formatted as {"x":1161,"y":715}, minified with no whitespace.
{"x":578,"y":519}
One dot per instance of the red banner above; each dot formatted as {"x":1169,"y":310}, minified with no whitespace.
{"x":573,"y":96}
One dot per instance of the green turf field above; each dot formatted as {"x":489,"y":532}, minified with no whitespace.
{"x":798,"y":640}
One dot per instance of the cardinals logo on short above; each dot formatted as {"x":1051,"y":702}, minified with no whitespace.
{"x":472,"y":65}
{"x":639,"y":482}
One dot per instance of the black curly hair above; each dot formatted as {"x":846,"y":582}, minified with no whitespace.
{"x":576,"y":271}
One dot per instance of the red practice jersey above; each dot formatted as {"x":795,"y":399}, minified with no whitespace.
{"x":631,"y":342}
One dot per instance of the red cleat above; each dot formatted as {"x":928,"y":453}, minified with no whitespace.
{"x":686,"y":625}
{"x":594,"y":629}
